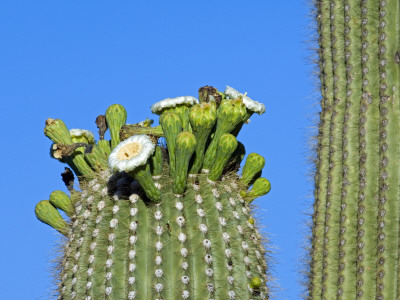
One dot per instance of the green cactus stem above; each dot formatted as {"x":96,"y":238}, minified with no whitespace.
{"x":172,"y":126}
{"x":261,"y":187}
{"x":116,"y":118}
{"x":254,"y":164}
{"x":355,"y":244}
{"x":185,"y":144}
{"x":62,"y":201}
{"x":229,"y":115}
{"x":48,"y":214}
{"x":130,"y":130}
{"x":104,"y":147}
{"x":227,"y":143}
{"x":139,"y":230}
{"x":202,"y":118}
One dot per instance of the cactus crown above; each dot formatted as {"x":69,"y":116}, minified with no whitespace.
{"x":176,"y":216}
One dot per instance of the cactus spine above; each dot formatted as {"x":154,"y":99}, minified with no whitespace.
{"x":146,"y":223}
{"x":355,"y":245}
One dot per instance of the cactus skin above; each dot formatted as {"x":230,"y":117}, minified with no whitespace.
{"x":198,"y":240}
{"x":355,"y":245}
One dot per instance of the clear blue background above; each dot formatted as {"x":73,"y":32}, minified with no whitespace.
{"x":71,"y":59}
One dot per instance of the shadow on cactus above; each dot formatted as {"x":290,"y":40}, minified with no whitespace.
{"x":161,"y":222}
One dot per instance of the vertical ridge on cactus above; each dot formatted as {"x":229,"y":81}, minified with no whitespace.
{"x":150,"y":225}
{"x":356,"y":211}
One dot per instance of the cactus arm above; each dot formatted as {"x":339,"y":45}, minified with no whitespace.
{"x":193,"y":240}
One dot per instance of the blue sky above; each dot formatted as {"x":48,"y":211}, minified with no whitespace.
{"x":72,"y":59}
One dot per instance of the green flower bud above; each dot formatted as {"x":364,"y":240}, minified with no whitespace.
{"x":104,"y":147}
{"x":56,"y":131}
{"x":229,"y":114}
{"x":96,"y":159}
{"x":60,"y":200}
{"x":48,"y":214}
{"x":185,"y":145}
{"x":261,"y":187}
{"x":236,"y":158}
{"x":227,"y":143}
{"x":251,"y":221}
{"x":202,"y":118}
{"x":156,"y":162}
{"x":172,"y":125}
{"x":254,"y":164}
{"x":255,"y":283}
{"x":116,"y":118}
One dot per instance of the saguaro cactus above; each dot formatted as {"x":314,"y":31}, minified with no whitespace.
{"x":154,"y":222}
{"x":355,"y":245}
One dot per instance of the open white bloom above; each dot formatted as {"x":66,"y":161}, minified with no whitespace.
{"x":131,"y":153}
{"x":80,"y":134}
{"x":158,"y":107}
{"x":250,"y":104}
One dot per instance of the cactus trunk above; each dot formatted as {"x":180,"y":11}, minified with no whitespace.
{"x":355,"y":244}
{"x":144,"y":228}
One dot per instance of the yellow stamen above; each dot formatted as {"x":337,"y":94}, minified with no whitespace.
{"x":129,"y":151}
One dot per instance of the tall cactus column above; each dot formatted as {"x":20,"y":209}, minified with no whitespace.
{"x":151,"y":221}
{"x":355,"y":245}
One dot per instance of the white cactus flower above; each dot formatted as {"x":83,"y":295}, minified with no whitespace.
{"x":80,"y":134}
{"x":158,"y":107}
{"x":131,"y":153}
{"x":250,"y":104}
